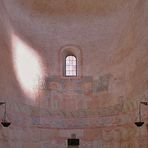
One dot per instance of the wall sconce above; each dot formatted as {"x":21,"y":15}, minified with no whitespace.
{"x":140,"y":121}
{"x":4,"y":121}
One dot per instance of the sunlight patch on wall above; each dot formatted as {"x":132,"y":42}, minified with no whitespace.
{"x":27,"y":65}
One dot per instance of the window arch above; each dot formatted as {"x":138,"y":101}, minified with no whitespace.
{"x":70,"y":65}
{"x":73,"y":55}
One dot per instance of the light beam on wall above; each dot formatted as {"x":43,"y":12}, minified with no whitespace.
{"x":27,"y":65}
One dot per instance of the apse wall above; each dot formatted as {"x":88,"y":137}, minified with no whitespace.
{"x":100,"y":105}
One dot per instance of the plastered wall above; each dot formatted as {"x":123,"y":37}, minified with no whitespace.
{"x":100,"y":106}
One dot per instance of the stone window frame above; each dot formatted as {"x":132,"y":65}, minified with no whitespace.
{"x":74,"y":51}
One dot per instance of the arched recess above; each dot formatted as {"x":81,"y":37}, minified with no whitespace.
{"x":68,"y":51}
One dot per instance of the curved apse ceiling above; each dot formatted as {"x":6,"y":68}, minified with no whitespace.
{"x":114,"y":34}
{"x":64,"y":7}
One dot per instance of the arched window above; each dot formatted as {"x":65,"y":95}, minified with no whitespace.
{"x":70,"y":65}
{"x":70,"y":61}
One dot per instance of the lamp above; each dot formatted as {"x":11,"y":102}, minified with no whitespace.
{"x":140,"y":122}
{"x":4,"y":121}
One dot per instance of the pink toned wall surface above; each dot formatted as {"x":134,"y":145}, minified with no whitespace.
{"x":100,"y":105}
